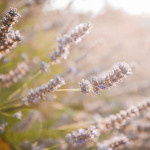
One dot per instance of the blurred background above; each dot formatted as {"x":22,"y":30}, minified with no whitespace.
{"x":133,"y":7}
{"x":120,"y":32}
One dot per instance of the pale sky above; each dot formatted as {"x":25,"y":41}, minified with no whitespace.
{"x":134,"y":7}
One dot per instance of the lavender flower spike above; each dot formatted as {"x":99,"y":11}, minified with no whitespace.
{"x":10,"y":42}
{"x":40,"y":92}
{"x":82,"y":137}
{"x":111,"y":78}
{"x":10,"y":18}
{"x":66,"y":41}
{"x":8,"y":37}
{"x":114,"y":143}
{"x":14,"y":75}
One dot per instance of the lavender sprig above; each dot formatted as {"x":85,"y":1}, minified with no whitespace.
{"x":9,"y":37}
{"x":113,"y":143}
{"x":10,"y":18}
{"x":14,"y":75}
{"x":82,"y":137}
{"x":40,"y":92}
{"x":111,"y":78}
{"x":65,"y":42}
{"x":111,"y":122}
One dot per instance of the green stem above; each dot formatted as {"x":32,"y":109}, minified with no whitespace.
{"x":18,"y":99}
{"x":68,"y":90}
{"x":14,"y":108}
{"x":11,"y":102}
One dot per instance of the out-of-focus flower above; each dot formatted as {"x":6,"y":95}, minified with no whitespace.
{"x":45,"y":66}
{"x":18,"y":115}
{"x":14,"y":75}
{"x":3,"y":126}
{"x":113,"y":143}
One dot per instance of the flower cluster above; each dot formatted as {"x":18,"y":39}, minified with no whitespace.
{"x":110,"y":79}
{"x":8,"y":37}
{"x":77,"y":139}
{"x":40,"y":92}
{"x":14,"y":75}
{"x":114,"y":143}
{"x":116,"y":121}
{"x":10,"y":42}
{"x":85,"y":86}
{"x":65,"y":42}
{"x":7,"y":22}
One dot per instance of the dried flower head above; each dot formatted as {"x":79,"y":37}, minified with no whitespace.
{"x":85,"y":86}
{"x":110,"y":79}
{"x":65,"y":42}
{"x":40,"y":92}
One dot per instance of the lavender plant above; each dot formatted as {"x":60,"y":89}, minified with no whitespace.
{"x":65,"y":113}
{"x":9,"y":37}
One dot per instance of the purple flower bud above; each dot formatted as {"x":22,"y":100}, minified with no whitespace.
{"x":101,"y":86}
